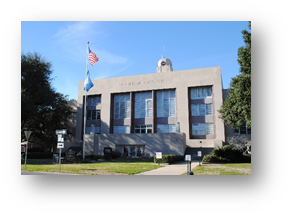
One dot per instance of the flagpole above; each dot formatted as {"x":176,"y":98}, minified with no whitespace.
{"x":84,"y":119}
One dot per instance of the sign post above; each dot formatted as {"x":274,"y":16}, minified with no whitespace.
{"x":60,"y":143}
{"x":27,"y":136}
{"x":199,"y":155}
{"x":188,"y":160}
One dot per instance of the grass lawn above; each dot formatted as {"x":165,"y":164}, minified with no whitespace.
{"x":223,"y":169}
{"x":99,"y":168}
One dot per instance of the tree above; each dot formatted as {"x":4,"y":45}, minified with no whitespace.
{"x":236,"y":109}
{"x":43,"y":110}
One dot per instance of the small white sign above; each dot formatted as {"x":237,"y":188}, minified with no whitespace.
{"x":60,"y":145}
{"x":159,"y":155}
{"x":199,"y":153}
{"x":187,"y":157}
{"x":61,"y":131}
{"x":60,"y":138}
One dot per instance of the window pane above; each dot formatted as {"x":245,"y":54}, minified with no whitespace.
{"x":94,"y":114}
{"x":209,"y":92}
{"x":195,"y":129}
{"x":166,"y":103}
{"x":88,"y":114}
{"x":172,"y":128}
{"x":121,"y":106}
{"x":210,"y":129}
{"x":166,"y":128}
{"x":201,"y":93}
{"x":93,"y":100}
{"x":209,"y":109}
{"x":202,"y":129}
{"x":143,"y":105}
{"x":121,"y":129}
{"x":194,"y":110}
{"x":202,"y":108}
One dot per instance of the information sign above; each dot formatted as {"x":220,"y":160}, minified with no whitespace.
{"x":60,"y":145}
{"x":60,"y":138}
{"x":64,"y":131}
{"x":187,"y":157}
{"x":199,"y":153}
{"x":159,"y":155}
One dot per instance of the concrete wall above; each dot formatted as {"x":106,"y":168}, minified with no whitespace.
{"x":167,"y":143}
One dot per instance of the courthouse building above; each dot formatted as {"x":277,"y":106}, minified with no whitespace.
{"x":167,"y":111}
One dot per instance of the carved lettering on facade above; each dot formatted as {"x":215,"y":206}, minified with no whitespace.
{"x":133,"y":83}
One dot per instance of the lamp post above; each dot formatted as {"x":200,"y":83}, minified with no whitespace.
{"x":27,"y":136}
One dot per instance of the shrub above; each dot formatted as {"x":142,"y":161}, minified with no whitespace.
{"x":115,"y":154}
{"x":227,"y":154}
{"x":169,"y":158}
{"x":214,"y":159}
{"x":39,"y":155}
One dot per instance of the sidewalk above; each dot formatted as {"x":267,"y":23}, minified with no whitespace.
{"x":172,"y":169}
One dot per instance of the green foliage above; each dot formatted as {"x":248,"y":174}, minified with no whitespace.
{"x":169,"y":158}
{"x":43,"y":110}
{"x":115,"y":154}
{"x":236,"y":109}
{"x":227,"y":154}
{"x":38,"y":155}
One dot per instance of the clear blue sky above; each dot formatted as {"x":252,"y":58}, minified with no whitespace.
{"x":132,"y":47}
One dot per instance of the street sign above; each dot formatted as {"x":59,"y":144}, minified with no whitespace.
{"x":159,"y":155}
{"x":187,"y":157}
{"x":60,"y":138}
{"x":64,"y":131}
{"x":199,"y":153}
{"x":60,"y":145}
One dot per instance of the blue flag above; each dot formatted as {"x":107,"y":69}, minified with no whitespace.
{"x":88,"y":84}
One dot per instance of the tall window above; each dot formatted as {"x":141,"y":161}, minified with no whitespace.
{"x":201,"y":109}
{"x":166,"y":128}
{"x":143,"y":104}
{"x":121,"y":106}
{"x":201,"y":93}
{"x":166,"y":103}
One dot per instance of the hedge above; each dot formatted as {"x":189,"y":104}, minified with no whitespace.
{"x":169,"y":158}
{"x":227,"y":154}
{"x":38,"y":155}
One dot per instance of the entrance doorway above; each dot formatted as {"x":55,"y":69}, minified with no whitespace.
{"x":132,"y":151}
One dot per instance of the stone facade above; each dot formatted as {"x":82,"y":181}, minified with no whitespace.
{"x":164,"y":79}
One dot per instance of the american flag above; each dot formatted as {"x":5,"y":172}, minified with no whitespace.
{"x":92,"y":57}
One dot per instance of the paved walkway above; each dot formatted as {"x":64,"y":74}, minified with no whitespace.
{"x":172,"y":169}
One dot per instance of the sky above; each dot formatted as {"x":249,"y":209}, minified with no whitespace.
{"x":128,"y":48}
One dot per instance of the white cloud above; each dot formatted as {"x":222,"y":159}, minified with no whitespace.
{"x":76,"y":31}
{"x":75,"y":35}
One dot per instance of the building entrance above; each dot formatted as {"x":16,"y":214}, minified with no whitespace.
{"x":132,"y":151}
